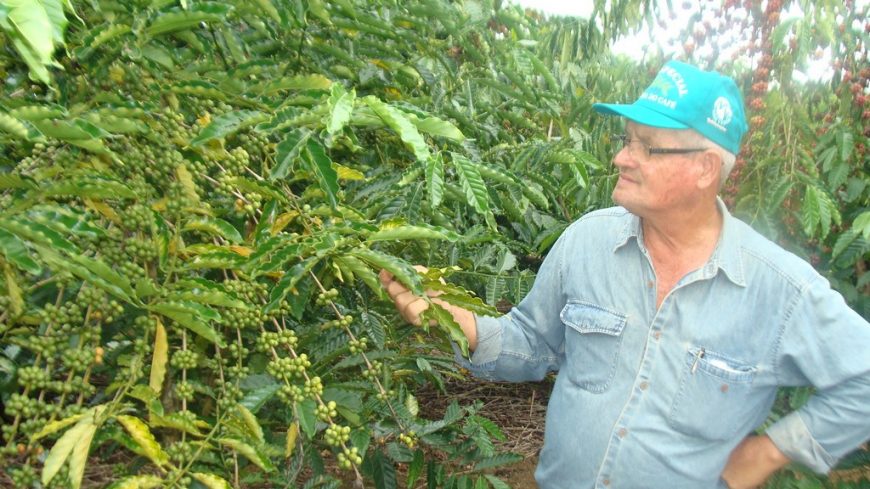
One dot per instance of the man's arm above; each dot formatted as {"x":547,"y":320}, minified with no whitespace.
{"x":754,"y":460}
{"x":824,"y":344}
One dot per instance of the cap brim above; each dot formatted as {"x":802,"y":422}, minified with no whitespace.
{"x":640,"y":114}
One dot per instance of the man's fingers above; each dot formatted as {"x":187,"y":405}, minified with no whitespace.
{"x":411,"y":308}
{"x":395,"y":288}
{"x":386,"y":277}
{"x":409,"y":305}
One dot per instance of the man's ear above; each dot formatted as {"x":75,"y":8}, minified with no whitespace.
{"x":711,"y":169}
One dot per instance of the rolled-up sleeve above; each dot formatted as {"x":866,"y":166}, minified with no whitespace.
{"x":827,"y":345}
{"x":527,"y":342}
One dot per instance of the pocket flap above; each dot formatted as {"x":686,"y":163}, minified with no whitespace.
{"x":589,"y":318}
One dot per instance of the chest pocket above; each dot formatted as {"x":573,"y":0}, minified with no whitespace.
{"x":593,"y":336}
{"x":715,"y":399}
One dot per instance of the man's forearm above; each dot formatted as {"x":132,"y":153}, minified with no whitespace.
{"x":754,"y":460}
{"x":464,"y":318}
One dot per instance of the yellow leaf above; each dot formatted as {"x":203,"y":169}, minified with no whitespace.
{"x":247,"y":451}
{"x":103,"y":209}
{"x":241,"y":250}
{"x":57,"y":426}
{"x":13,"y":290}
{"x":186,"y":181}
{"x":61,"y":450}
{"x":137,"y":482}
{"x":380,"y":64}
{"x":393,"y":93}
{"x":346,"y":173}
{"x":282,"y":221}
{"x":144,"y":438}
{"x":158,"y":361}
{"x":174,"y":104}
{"x":292,"y":435}
{"x":338,"y":273}
{"x":251,"y":422}
{"x":160,"y":205}
{"x":211,"y":481}
{"x":79,"y":456}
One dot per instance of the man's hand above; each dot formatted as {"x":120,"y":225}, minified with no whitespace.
{"x":752,"y":462}
{"x":410,"y":306}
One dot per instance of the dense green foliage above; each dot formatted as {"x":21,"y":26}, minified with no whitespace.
{"x":197,"y":196}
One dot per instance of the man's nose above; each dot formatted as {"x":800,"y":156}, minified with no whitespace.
{"x":622,"y":158}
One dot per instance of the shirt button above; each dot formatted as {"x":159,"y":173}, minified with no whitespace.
{"x":606,"y":482}
{"x":650,"y":284}
{"x":622,"y":432}
{"x":644,"y":385}
{"x":657,"y":335}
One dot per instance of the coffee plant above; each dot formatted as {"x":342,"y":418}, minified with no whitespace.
{"x":197,"y":197}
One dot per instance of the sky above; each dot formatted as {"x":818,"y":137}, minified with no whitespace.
{"x":817,"y":69}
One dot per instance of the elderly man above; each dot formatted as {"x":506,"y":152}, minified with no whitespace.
{"x":672,"y":323}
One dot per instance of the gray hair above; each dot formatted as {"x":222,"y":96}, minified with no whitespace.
{"x":728,"y":158}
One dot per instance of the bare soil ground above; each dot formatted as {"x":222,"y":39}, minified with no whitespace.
{"x":518,"y":409}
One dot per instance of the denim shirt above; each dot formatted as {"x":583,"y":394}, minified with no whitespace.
{"x":658,"y":398}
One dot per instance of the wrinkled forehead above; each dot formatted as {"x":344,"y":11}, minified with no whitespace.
{"x":658,"y":134}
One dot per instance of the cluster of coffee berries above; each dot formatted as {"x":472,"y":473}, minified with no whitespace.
{"x":291,"y":394}
{"x":78,"y":360}
{"x":184,"y":391}
{"x":180,"y":452}
{"x":70,"y":313}
{"x":358,"y":346}
{"x":348,"y":458}
{"x":23,"y":476}
{"x":313,"y":387}
{"x":142,"y":250}
{"x":267,"y":340}
{"x":255,"y":143}
{"x":179,"y":200}
{"x":231,"y":394}
{"x":107,"y":310}
{"x":336,"y":435}
{"x":248,"y":291}
{"x":287,"y":367}
{"x":324,"y":298}
{"x":344,"y":322}
{"x":184,"y":359}
{"x":327,"y":411}
{"x":33,"y":377}
{"x":237,"y":161}
{"x":409,"y":439}
{"x":248,"y":205}
{"x":383,"y":396}
{"x":138,"y":217}
{"x":373,"y":371}
{"x":243,"y":318}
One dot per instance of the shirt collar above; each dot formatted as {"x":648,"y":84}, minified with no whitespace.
{"x":726,"y":256}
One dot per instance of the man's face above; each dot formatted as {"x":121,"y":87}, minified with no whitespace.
{"x":649,"y":184}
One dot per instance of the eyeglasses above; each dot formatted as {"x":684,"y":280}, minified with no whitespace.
{"x":634,"y":148}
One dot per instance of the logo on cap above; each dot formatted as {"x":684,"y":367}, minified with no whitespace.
{"x":722,"y":113}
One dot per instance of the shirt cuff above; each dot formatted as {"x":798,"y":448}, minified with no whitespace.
{"x":489,"y":340}
{"x":791,"y":435}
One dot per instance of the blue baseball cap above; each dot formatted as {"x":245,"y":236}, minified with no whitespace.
{"x":684,"y":97}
